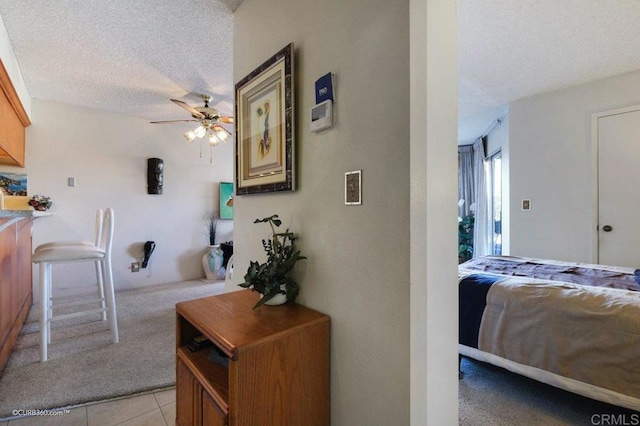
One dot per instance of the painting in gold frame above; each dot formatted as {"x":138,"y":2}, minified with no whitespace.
{"x":264,"y":130}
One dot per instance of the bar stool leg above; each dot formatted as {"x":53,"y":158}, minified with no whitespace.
{"x":50,"y":299}
{"x":44,"y":310}
{"x":111,"y":300}
{"x":99,"y":276}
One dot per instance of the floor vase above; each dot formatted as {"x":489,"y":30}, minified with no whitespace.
{"x":212,"y":263}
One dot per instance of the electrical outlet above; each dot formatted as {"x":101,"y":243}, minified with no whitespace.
{"x":135,"y":267}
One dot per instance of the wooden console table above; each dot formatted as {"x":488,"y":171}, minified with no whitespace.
{"x":277,"y":363}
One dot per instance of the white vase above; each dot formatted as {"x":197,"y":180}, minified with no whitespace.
{"x":212,"y":263}
{"x":278,"y":299}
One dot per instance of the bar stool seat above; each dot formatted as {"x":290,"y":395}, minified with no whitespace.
{"x":70,"y":252}
{"x":95,"y":243}
{"x":50,"y":254}
{"x":97,"y":240}
{"x":55,"y":244}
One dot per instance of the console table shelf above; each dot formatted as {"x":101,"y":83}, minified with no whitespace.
{"x":277,"y":363}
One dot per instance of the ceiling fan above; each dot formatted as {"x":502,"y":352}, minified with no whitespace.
{"x":209,"y":120}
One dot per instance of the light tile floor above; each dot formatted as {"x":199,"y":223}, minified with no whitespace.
{"x":152,"y":409}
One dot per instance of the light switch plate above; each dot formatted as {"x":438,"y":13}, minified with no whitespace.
{"x":353,"y":188}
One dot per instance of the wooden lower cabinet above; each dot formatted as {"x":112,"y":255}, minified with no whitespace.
{"x":271,"y":368}
{"x":211,"y":414}
{"x":15,"y":282}
{"x":188,"y":407}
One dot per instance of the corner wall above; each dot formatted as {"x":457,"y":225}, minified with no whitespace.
{"x":434,"y":197}
{"x":551,"y":164}
{"x":357,"y":270}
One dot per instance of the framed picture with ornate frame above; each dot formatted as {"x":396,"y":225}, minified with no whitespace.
{"x":265,"y":160}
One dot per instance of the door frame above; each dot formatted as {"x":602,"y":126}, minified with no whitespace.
{"x":595,"y":166}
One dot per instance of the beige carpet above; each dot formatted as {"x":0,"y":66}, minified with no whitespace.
{"x":492,"y":396}
{"x":84,"y":365}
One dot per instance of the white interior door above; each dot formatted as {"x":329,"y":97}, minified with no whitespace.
{"x":619,"y":188}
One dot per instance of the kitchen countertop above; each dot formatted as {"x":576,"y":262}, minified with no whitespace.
{"x":13,"y":216}
{"x":10,"y":214}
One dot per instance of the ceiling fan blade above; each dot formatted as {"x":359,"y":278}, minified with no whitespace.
{"x":194,"y":112}
{"x":228,"y":120}
{"x":171,"y":121}
{"x":219,"y":128}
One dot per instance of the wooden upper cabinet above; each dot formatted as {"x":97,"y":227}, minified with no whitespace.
{"x":13,"y":121}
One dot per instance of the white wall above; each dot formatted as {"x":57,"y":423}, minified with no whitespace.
{"x":358,"y":267}
{"x":358,"y":256}
{"x":551,"y":164}
{"x":434,"y":197}
{"x":107,"y":154}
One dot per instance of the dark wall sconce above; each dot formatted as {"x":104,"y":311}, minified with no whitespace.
{"x":149,"y":247}
{"x":155,"y":168}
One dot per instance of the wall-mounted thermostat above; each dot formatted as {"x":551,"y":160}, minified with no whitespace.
{"x":324,"y":88}
{"x":321,"y":116}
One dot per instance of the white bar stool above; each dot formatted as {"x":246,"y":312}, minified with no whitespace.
{"x":229,"y":273}
{"x":96,"y":243}
{"x":49,"y":254}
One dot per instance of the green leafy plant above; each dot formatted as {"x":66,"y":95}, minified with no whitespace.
{"x":465,"y":238}
{"x":267,"y":278}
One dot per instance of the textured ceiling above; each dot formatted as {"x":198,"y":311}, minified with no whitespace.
{"x":125,"y":56}
{"x":511,"y":49}
{"x":131,"y":56}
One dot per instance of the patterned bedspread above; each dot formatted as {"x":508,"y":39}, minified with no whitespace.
{"x":590,"y":333}
{"x":578,"y":273}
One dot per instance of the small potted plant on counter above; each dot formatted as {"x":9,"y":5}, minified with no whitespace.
{"x":271,"y":279}
{"x":40,"y":202}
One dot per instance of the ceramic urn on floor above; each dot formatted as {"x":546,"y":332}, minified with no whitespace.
{"x":212,"y":263}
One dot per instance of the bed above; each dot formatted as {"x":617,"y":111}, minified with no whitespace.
{"x":571,"y":325}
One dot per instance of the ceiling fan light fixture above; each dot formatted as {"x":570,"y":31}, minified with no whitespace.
{"x":222,"y":134}
{"x":209,"y":127}
{"x":213,"y":139}
{"x":190,"y":136}
{"x":200,"y":131}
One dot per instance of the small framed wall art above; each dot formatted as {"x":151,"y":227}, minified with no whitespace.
{"x":264,"y":131}
{"x":226,"y":200}
{"x":353,"y":188}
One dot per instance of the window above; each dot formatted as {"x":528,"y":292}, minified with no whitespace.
{"x":494,"y":184}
